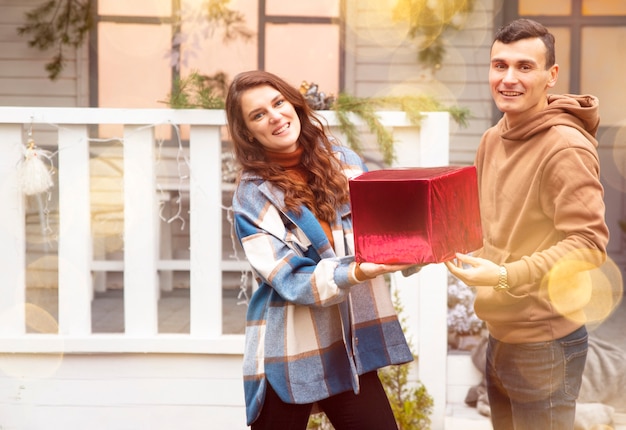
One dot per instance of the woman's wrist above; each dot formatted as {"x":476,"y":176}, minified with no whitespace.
{"x":358,"y":274}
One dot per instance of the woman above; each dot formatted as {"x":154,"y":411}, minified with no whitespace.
{"x":319,"y":325}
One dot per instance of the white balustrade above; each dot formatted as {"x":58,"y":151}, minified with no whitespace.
{"x":423,"y":295}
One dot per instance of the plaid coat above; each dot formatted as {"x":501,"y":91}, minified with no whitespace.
{"x":310,"y":332}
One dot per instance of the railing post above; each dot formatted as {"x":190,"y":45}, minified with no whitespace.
{"x":75,"y":283}
{"x":12,"y":235}
{"x":424,"y":296}
{"x":141,"y":293}
{"x":205,"y":229}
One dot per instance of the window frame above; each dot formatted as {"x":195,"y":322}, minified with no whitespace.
{"x":263,"y":20}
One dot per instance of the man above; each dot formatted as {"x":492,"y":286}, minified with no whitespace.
{"x":542,"y":213}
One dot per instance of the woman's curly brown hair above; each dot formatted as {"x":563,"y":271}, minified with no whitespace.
{"x":327,"y":187}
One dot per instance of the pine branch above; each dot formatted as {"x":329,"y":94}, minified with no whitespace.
{"x":428,"y":22}
{"x":60,"y":24}
{"x":411,"y":404}
{"x":366,"y":109}
{"x":232,"y":21}
{"x":198,"y":91}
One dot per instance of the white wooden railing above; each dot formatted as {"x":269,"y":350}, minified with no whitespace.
{"x":423,"y":295}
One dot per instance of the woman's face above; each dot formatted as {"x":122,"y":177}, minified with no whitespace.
{"x":270,"y":119}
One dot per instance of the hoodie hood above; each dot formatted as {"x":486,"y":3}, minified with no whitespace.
{"x":578,"y":111}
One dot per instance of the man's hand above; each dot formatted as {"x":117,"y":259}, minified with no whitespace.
{"x":480,"y":273}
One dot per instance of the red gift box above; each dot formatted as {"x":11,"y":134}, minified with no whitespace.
{"x":415,"y":215}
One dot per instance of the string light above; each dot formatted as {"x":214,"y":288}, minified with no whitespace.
{"x":33,"y":182}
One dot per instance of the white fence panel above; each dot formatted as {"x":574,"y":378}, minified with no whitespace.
{"x":423,"y":296}
{"x":206,"y":232}
{"x":140,"y":232}
{"x":75,"y":282}
{"x":12,"y":234}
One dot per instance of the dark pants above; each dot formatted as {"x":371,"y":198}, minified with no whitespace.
{"x":534,"y":386}
{"x":369,"y":410}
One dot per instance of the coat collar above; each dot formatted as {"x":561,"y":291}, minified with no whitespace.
{"x":306,"y":221}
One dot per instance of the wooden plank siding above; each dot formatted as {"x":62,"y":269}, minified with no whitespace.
{"x":23,"y":78}
{"x":379,"y":61}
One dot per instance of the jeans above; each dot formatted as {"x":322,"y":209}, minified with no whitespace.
{"x":369,"y":410}
{"x":534,"y":386}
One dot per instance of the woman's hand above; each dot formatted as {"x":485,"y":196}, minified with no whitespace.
{"x":372,"y":270}
{"x":480,"y":273}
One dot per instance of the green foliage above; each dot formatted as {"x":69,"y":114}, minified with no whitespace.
{"x":428,"y":21}
{"x":57,"y":24}
{"x":201,"y":20}
{"x":65,"y":23}
{"x":410,"y":402}
{"x":199,"y":91}
{"x":208,"y":92}
{"x":411,"y":405}
{"x":319,"y":421}
{"x":366,"y":109}
{"x":233,"y":22}
{"x":415,"y":105}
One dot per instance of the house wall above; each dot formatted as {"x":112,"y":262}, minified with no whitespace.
{"x":23,"y":78}
{"x":380,"y":61}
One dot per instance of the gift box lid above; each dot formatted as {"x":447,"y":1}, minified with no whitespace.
{"x":404,"y":174}
{"x":415,"y":215}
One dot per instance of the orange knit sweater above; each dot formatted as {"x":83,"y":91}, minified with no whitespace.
{"x":298,"y":172}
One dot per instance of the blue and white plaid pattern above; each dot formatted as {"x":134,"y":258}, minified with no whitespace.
{"x":309,"y":331}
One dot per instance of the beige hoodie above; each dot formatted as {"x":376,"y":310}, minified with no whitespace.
{"x":542,"y":212}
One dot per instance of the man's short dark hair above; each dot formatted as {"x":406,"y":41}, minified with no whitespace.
{"x":526,"y":29}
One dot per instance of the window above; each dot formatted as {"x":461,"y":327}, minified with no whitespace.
{"x":591,"y":50}
{"x":589,"y":33}
{"x":308,"y":31}
{"x":136,"y":62}
{"x":132,"y":69}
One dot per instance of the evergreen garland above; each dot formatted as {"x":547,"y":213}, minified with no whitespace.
{"x":428,"y":21}
{"x":366,"y":108}
{"x":65,"y":24}
{"x":208,"y":92}
{"x":58,"y":24}
{"x":198,"y":91}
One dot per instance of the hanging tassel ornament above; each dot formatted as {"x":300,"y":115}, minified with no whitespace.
{"x":34,"y":176}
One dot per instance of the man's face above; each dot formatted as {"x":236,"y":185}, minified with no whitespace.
{"x":518,"y":78}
